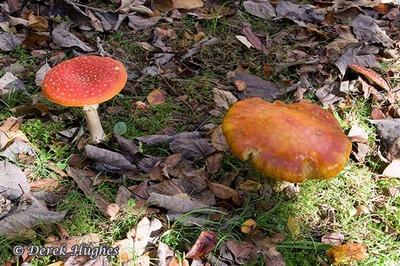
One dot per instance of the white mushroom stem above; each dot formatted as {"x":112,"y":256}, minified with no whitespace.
{"x":93,"y":123}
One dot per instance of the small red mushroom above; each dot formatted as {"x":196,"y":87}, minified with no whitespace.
{"x":85,"y":81}
{"x":291,"y":142}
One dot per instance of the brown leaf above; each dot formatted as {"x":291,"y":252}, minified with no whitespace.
{"x":223,"y":99}
{"x":371,"y":75}
{"x":366,"y":29}
{"x":250,"y":185}
{"x":108,"y":157}
{"x":140,"y":23}
{"x":84,"y":180}
{"x":187,"y":4}
{"x":9,"y":41}
{"x":243,"y":251}
{"x":254,"y":40}
{"x":213,"y":162}
{"x":177,"y":262}
{"x":65,"y":39}
{"x":157,"y":97}
{"x":347,"y":253}
{"x":224,"y":192}
{"x":277,"y":237}
{"x":176,"y":203}
{"x":271,"y":255}
{"x":333,"y":239}
{"x":45,"y":184}
{"x":260,"y":8}
{"x":36,"y":23}
{"x":204,"y":244}
{"x":13,"y":183}
{"x":192,"y":148}
{"x":218,"y":140}
{"x":258,"y":87}
{"x":377,"y":113}
{"x":112,"y":210}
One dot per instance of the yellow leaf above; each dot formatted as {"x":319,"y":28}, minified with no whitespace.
{"x":347,"y":253}
{"x":248,"y":226}
{"x":294,"y":226}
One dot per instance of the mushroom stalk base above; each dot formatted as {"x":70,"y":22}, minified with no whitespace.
{"x":93,"y":123}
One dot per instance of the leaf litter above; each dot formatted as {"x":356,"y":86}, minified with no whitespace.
{"x":179,"y":183}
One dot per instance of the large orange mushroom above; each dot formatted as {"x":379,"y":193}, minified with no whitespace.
{"x":85,"y":81}
{"x":291,"y":142}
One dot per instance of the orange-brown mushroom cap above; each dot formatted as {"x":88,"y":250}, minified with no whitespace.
{"x":291,"y":142}
{"x":84,"y":80}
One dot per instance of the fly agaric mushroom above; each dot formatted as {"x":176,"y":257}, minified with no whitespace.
{"x":291,"y":142}
{"x":85,"y":81}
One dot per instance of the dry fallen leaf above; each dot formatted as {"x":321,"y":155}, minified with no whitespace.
{"x":218,"y":140}
{"x":250,"y":185}
{"x":213,"y":162}
{"x":176,"y":203}
{"x":44,"y":184}
{"x":224,"y":99}
{"x":393,"y":169}
{"x":157,"y":97}
{"x":248,"y":226}
{"x":347,"y":253}
{"x":224,"y":192}
{"x":333,"y":239}
{"x":187,"y":4}
{"x":243,"y":251}
{"x":260,"y":8}
{"x":371,"y":75}
{"x":204,"y":244}
{"x":244,"y":40}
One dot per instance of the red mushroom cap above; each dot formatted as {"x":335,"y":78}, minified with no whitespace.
{"x":290,"y":142}
{"x":84,"y":80}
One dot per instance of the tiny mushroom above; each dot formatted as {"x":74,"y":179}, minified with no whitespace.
{"x":290,"y":142}
{"x":85,"y":81}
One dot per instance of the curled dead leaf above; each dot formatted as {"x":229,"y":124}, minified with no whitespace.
{"x":248,"y":226}
{"x":204,"y":244}
{"x":393,"y":169}
{"x":224,"y":192}
{"x":371,"y":75}
{"x":347,"y":253}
